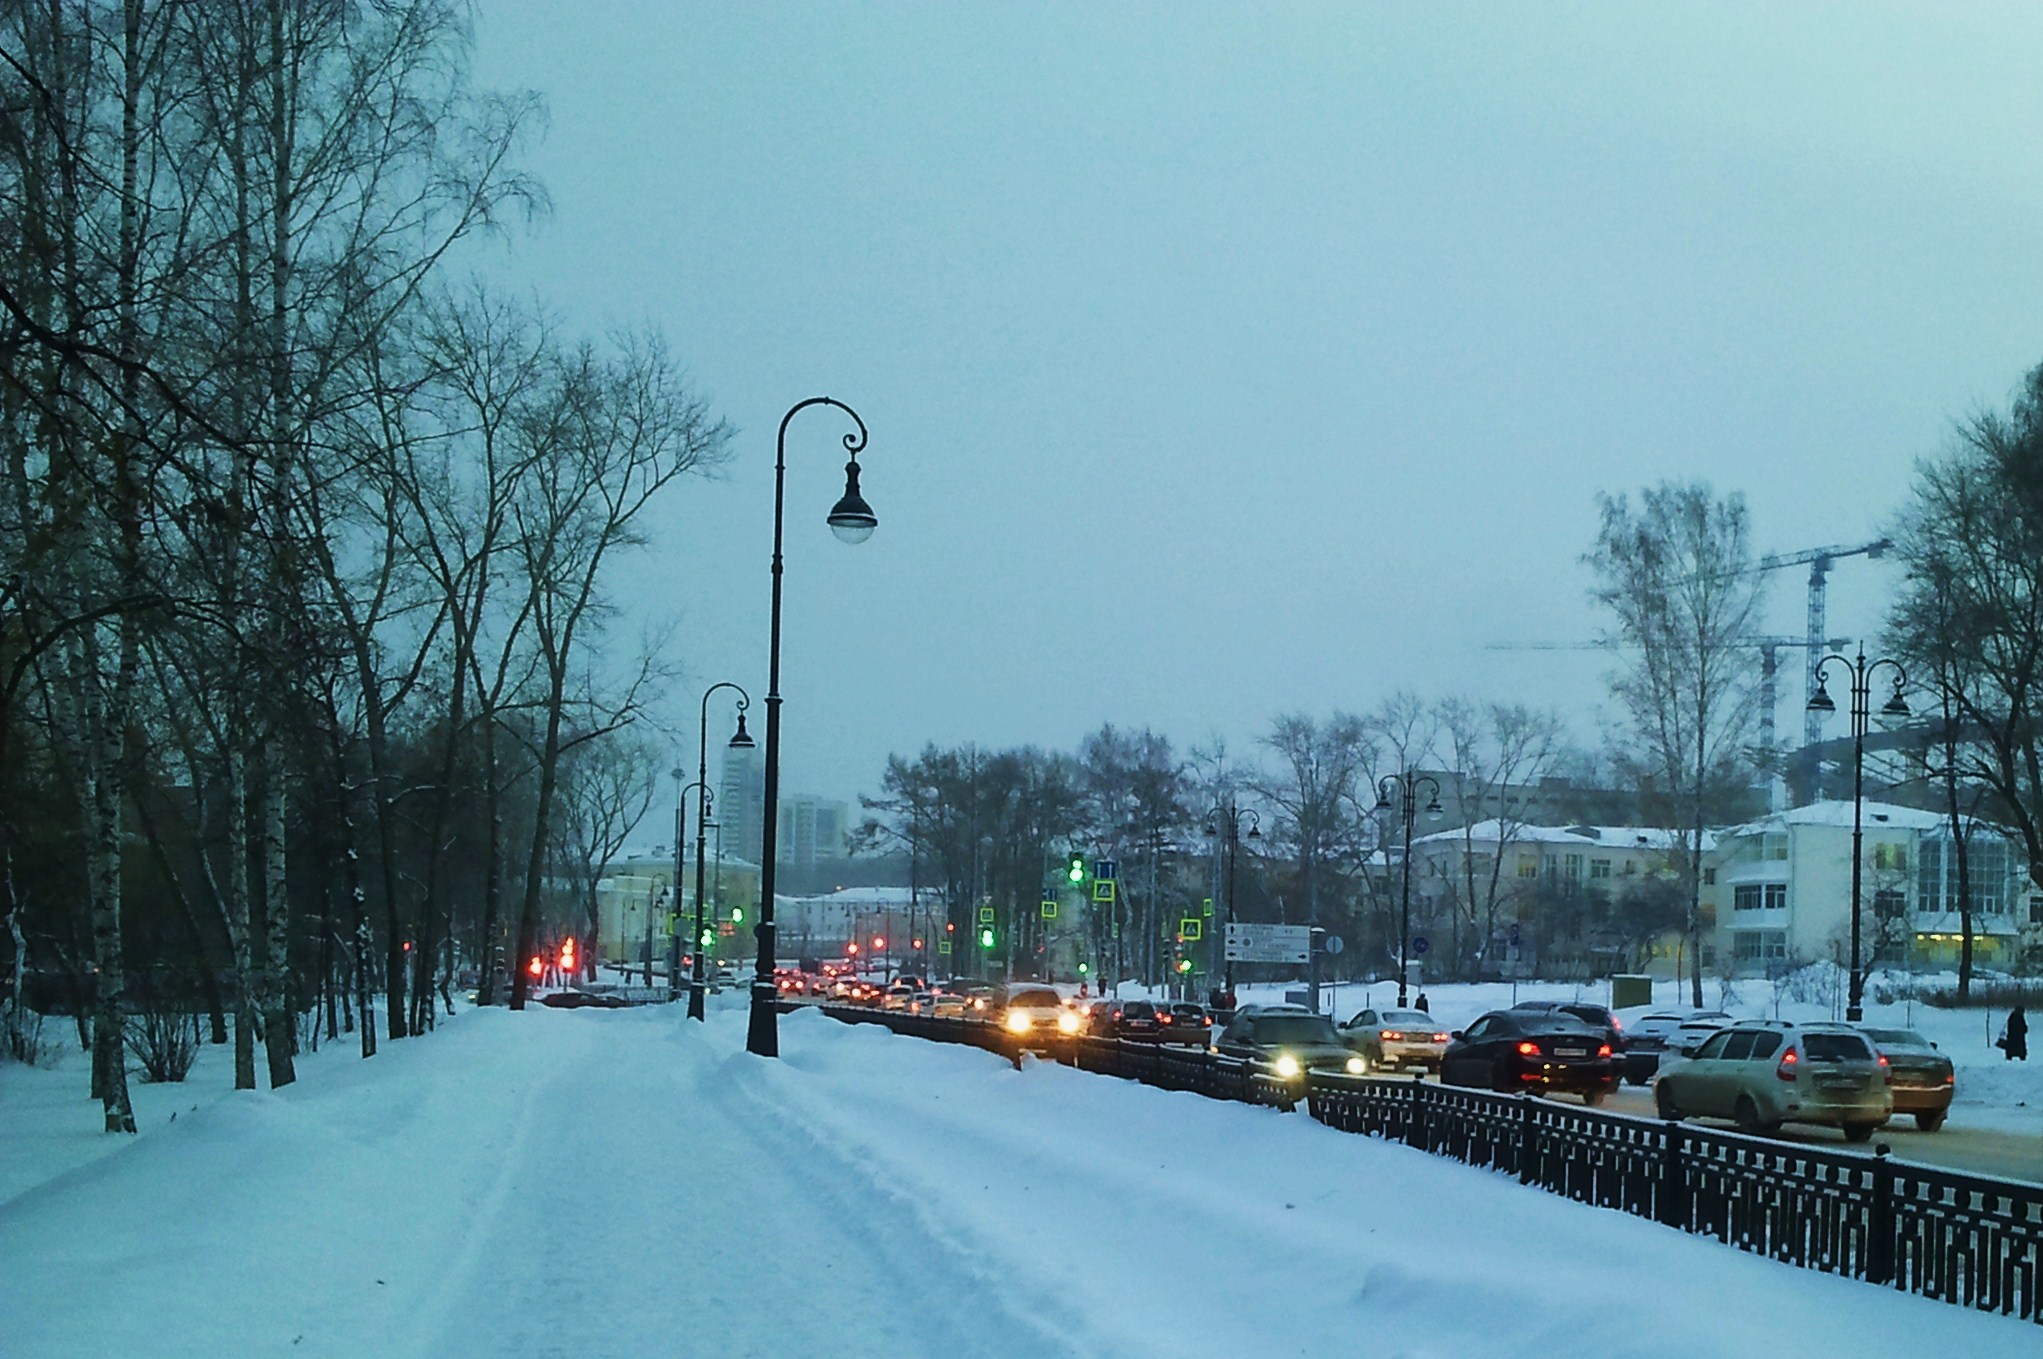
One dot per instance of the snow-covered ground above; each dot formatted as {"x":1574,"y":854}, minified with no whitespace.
{"x":624,"y":1183}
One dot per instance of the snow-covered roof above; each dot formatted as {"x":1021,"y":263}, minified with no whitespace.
{"x":857,"y":896}
{"x":1837,"y":812}
{"x":1493,"y":830}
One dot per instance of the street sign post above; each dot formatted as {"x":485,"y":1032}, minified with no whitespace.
{"x":1420,"y":943}
{"x":1334,"y":943}
{"x":1103,"y":890}
{"x":1248,"y":943}
{"x":1106,"y":870}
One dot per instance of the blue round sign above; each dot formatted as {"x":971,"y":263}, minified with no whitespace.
{"x":1420,"y":943}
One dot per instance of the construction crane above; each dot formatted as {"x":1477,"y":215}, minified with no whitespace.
{"x":1819,"y":561}
{"x":1769,"y":668}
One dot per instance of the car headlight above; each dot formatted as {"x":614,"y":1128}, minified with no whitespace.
{"x":1356,"y":1066}
{"x":1067,"y":1022}
{"x":1287,"y":1065}
{"x":1017,"y":1022}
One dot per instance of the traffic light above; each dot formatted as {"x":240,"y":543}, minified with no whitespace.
{"x":950,"y":927}
{"x":879,"y":943}
{"x":537,"y":967}
{"x":1184,"y":965}
{"x":918,"y":945}
{"x":986,"y":937}
{"x":567,"y":954}
{"x":1074,"y":868}
{"x":851,"y":950}
{"x":708,"y":937}
{"x":737,"y":915}
{"x":1084,"y":968}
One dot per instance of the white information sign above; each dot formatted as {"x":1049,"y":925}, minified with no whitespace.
{"x":1269,"y":943}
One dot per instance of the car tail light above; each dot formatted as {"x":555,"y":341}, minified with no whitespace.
{"x":1616,"y":1024}
{"x":1528,"y":1049}
{"x":1440,"y":1037}
{"x":1207,"y":1020}
{"x":1603,"y":1051}
{"x":1950,"y":1078}
{"x":1886,"y":1069}
{"x":1786,"y":1070}
{"x":1392,"y":1034}
{"x":1163,"y":1019}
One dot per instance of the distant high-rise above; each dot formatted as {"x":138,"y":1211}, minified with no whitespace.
{"x":813,"y":830}
{"x":741,"y":802}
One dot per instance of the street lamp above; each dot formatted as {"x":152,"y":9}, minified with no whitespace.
{"x":1861,"y":717}
{"x":674,"y":936}
{"x":853,"y":521}
{"x":1407,"y":806}
{"x":1225,"y":820}
{"x":741,"y":741}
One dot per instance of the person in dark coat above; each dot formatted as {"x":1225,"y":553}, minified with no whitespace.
{"x":2015,"y":1036}
{"x":1423,"y":1007}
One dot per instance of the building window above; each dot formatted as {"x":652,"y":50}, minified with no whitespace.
{"x":1773,"y":846}
{"x":2036,"y":909}
{"x":1630,"y":868}
{"x":1759,"y":896}
{"x":1745,"y":897}
{"x":1528,"y":865}
{"x":1759,"y":946}
{"x":1709,"y":876}
{"x":1599,"y":868}
{"x":1890,"y":858}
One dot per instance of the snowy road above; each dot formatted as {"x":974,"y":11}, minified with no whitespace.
{"x":622,"y":1183}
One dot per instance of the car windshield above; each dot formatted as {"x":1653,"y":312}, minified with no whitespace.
{"x":1409,"y":1019}
{"x":1035,"y":999}
{"x":1835,"y":1047}
{"x":1296,"y":1029}
{"x":1900,"y":1038}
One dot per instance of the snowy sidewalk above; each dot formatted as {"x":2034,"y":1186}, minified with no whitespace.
{"x":623,"y":1183}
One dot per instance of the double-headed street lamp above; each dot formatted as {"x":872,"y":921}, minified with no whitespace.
{"x":1224,"y":822}
{"x":741,"y":741}
{"x":1861,"y":717}
{"x":1407,"y":805}
{"x":853,"y":521}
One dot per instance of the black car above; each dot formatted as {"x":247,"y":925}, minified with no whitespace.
{"x":1183,"y":1022}
{"x":1133,"y":1019}
{"x":1534,"y":1051}
{"x":1596,"y":1016}
{"x":1290,"y":1043}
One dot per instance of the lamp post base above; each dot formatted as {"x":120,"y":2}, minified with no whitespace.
{"x":762,"y":1033}
{"x":695,"y":1006}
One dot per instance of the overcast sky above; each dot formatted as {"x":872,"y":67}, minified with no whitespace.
{"x":1229,"y":360}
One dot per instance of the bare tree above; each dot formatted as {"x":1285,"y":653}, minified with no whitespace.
{"x":1674,"y":575}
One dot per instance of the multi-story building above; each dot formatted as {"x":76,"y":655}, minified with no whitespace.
{"x":812,"y":830}
{"x":741,"y":801}
{"x":1783,"y":885}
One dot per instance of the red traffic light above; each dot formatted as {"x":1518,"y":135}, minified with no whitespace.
{"x":918,"y":945}
{"x":537,"y":966}
{"x":879,"y":942}
{"x":851,"y":950}
{"x":950,"y":927}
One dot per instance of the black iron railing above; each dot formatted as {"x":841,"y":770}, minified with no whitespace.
{"x":1972,"y":1240}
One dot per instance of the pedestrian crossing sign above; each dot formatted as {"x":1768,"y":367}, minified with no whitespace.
{"x":1049,"y":910}
{"x":1103,"y":890}
{"x":1191,"y":927}
{"x":986,"y":915}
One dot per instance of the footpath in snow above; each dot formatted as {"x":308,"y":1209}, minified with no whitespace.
{"x":599,"y":1183}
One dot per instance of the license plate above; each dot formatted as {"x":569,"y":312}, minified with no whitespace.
{"x":1571,"y":1052}
{"x":1838,"y":1083}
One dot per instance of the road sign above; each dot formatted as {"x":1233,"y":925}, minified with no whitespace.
{"x":943,"y":946}
{"x":1334,"y":943}
{"x":1420,"y":943}
{"x":986,"y":915}
{"x":1191,"y":927}
{"x":1106,"y":870}
{"x":1206,"y":908}
{"x":1049,"y":909}
{"x":1268,"y":943}
{"x":1103,"y":890}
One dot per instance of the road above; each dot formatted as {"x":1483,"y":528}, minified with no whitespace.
{"x":1982,"y":1151}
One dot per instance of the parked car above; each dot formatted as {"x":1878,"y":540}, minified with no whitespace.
{"x":1534,"y":1050}
{"x":1651,"y":1036}
{"x":1763,"y":1073}
{"x":1921,"y":1077}
{"x":1033,"y":1010}
{"x":1391,"y":1040}
{"x":1184,"y":1022}
{"x":1289,"y":1042}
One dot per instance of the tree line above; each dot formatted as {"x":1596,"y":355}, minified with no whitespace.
{"x":310,"y":687}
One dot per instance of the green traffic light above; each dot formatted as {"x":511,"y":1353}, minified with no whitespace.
{"x":1184,"y":964}
{"x":1076,"y":872}
{"x":737,"y":915}
{"x":1084,"y":968}
{"x":709,"y":938}
{"x":986,"y":938}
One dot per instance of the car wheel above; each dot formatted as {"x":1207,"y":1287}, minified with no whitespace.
{"x":1592,"y":1098}
{"x":1929,"y":1120}
{"x":1663,"y":1102}
{"x":1747,"y":1116}
{"x":1859,"y":1132}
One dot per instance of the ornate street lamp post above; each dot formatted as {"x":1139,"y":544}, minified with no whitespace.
{"x":853,"y":521}
{"x":1407,"y":807}
{"x":1224,"y":821}
{"x":741,"y":741}
{"x":701,"y":791}
{"x":1861,"y":671}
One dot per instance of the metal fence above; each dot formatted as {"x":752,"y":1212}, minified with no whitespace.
{"x":1972,"y":1240}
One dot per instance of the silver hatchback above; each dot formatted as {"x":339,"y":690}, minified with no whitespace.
{"x":1763,"y":1074}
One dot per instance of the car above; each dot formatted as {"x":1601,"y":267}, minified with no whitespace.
{"x":897,"y":997}
{"x":1033,"y":1011}
{"x":1596,"y":1016}
{"x":1391,"y":1040}
{"x":1533,"y":1050}
{"x":1184,"y":1022}
{"x":1651,"y":1036}
{"x":1131,"y":1019}
{"x":949,"y":1004}
{"x":1289,"y":1042}
{"x":1922,"y":1078}
{"x":1763,"y":1073}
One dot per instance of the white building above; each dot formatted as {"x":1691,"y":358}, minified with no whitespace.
{"x":1783,"y":889}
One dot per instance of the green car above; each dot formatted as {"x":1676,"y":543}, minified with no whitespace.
{"x":1290,"y":1044}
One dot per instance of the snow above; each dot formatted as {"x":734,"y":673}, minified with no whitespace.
{"x":623,"y":1182}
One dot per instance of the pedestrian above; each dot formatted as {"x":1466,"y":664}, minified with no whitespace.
{"x":2014,"y":1035}
{"x":1424,"y":1008}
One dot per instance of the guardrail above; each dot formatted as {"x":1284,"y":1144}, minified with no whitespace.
{"x":1971,"y":1240}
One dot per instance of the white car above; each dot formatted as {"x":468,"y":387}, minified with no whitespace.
{"x":1034,"y":1010}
